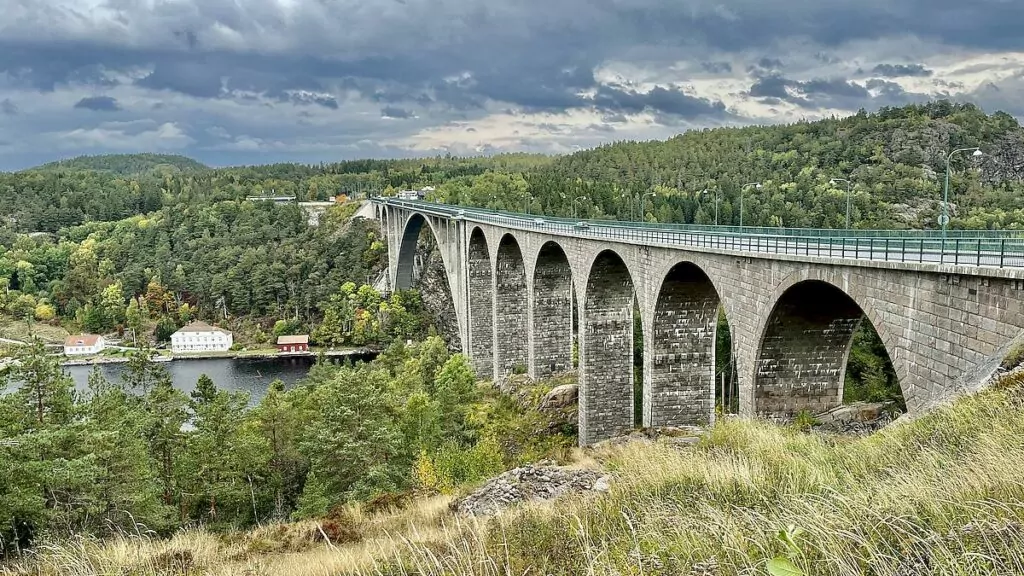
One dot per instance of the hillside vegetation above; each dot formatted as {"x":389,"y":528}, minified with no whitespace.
{"x":127,"y":164}
{"x":938,"y":495}
{"x":895,"y":160}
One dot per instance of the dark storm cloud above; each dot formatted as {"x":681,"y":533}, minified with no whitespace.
{"x":716,"y":67}
{"x":834,"y":92}
{"x":898,"y":70}
{"x":304,"y":98}
{"x":395,"y":113}
{"x":465,"y":59}
{"x":670,"y":101}
{"x":98,"y":104}
{"x":7,"y":107}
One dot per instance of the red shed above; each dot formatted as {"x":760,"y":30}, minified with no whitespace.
{"x":294,"y":343}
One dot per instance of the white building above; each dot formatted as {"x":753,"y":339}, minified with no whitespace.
{"x":201,"y":337}
{"x":84,"y":344}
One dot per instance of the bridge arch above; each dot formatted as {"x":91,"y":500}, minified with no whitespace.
{"x":411,"y":228}
{"x":511,"y":308}
{"x":552,"y":311}
{"x":606,"y":350}
{"x":481,"y":304}
{"x":805,"y":342}
{"x":680,"y":374}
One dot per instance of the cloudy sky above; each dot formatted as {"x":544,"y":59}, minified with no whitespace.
{"x":253,"y":81}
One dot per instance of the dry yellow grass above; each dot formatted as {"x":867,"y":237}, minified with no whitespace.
{"x":940,"y":495}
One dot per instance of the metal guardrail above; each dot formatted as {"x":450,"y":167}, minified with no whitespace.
{"x":996,"y":249}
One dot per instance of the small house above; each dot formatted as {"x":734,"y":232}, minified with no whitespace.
{"x":84,"y":345}
{"x":293,"y":343}
{"x":201,"y":337}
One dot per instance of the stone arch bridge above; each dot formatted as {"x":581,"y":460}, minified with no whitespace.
{"x":947,"y":309}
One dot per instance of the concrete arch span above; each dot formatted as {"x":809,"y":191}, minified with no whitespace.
{"x":511,"y":332}
{"x":406,"y":270}
{"x":805,"y":345}
{"x":552,"y":312}
{"x":680,"y":379}
{"x":481,"y":304}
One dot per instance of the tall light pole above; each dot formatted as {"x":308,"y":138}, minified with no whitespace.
{"x":642,"y":202}
{"x":717,"y":200}
{"x":757,"y":186}
{"x":575,"y":200}
{"x":849,"y":187}
{"x":626,"y":196}
{"x":944,"y":218}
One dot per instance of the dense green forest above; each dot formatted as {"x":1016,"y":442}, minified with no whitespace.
{"x":126,"y":164}
{"x":139,"y":455}
{"x":895,"y":160}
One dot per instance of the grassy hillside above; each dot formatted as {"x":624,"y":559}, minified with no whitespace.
{"x":127,"y":164}
{"x":939,"y":495}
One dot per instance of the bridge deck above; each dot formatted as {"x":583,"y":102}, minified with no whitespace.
{"x":960,"y":248}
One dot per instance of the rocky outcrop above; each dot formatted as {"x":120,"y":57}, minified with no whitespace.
{"x":530,"y":483}
{"x":561,"y":397}
{"x":857,"y":417}
{"x":436,"y":294}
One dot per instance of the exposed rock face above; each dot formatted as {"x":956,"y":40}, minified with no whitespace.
{"x":858,"y":417}
{"x":437,"y":297}
{"x":560,"y":397}
{"x":530,"y":483}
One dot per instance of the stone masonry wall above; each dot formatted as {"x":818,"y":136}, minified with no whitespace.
{"x":803,"y":356}
{"x":681,"y":375}
{"x":511,"y":305}
{"x":606,"y":382}
{"x":552,"y":313}
{"x":945,"y":327}
{"x":481,"y":306}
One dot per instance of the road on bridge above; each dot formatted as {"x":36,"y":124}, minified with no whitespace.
{"x":994,"y":249}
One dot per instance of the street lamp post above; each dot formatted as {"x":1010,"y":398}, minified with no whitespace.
{"x":849,"y":187}
{"x":944,"y":218}
{"x":642,"y":202}
{"x":626,"y":196}
{"x":757,"y":186}
{"x":575,"y":200}
{"x":717,"y":200}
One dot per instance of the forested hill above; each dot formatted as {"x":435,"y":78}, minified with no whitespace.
{"x":895,"y":159}
{"x":127,"y":164}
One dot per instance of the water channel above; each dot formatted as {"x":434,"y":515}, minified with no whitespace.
{"x":252,"y":375}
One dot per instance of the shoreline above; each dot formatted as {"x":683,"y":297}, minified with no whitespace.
{"x":238,"y":355}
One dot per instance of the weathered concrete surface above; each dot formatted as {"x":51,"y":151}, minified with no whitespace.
{"x":481,"y":305}
{"x":945,"y":327}
{"x":552,"y":313}
{"x":511,"y":303}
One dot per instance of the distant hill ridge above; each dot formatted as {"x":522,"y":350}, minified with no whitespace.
{"x":126,"y":164}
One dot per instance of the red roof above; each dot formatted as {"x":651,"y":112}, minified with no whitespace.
{"x":82,"y":340}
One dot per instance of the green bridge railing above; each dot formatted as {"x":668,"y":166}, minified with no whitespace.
{"x":990,"y":248}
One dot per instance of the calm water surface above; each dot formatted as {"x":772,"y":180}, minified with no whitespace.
{"x":252,"y":375}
